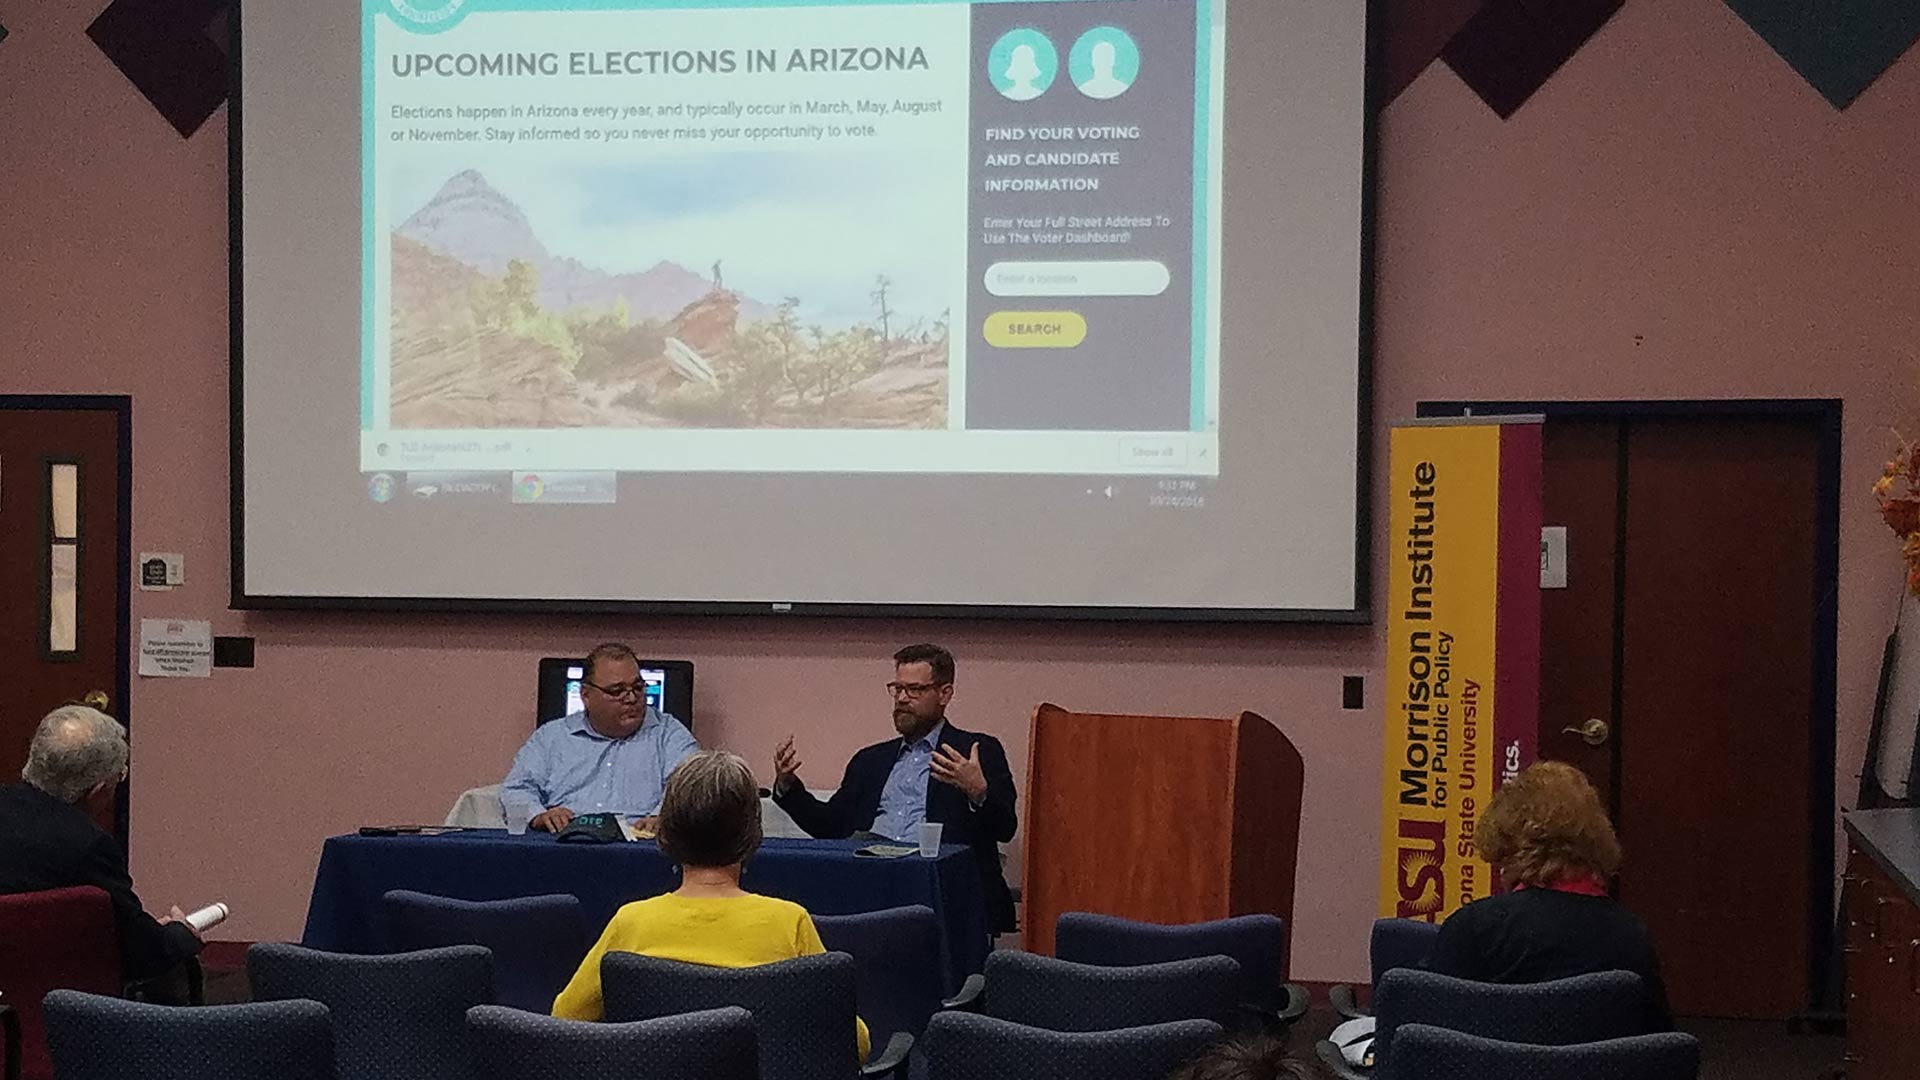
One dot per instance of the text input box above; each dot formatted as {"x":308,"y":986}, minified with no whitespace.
{"x":1108,"y":277}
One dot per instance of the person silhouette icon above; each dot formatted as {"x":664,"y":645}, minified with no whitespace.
{"x":1023,"y":71}
{"x":1022,"y":64}
{"x":1104,"y":63}
{"x":1103,"y":85}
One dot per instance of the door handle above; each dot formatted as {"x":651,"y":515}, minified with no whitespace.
{"x":1594,"y":732}
{"x":97,"y":699}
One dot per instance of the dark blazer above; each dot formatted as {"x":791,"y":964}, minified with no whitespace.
{"x":48,"y":844}
{"x":853,"y":808}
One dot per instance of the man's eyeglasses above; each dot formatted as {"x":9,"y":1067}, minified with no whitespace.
{"x":912,"y":689}
{"x":635,"y":690}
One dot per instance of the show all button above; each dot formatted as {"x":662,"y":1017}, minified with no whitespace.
{"x":1034,"y":329}
{"x":1147,"y":452}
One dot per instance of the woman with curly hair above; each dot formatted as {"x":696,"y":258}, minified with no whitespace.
{"x":1548,"y":834}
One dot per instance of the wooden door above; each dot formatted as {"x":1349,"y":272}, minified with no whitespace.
{"x":1687,"y":628}
{"x":64,"y":570}
{"x":1581,"y":468}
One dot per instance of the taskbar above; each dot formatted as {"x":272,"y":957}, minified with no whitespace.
{"x":494,"y":487}
{"x":602,"y":487}
{"x":784,"y":451}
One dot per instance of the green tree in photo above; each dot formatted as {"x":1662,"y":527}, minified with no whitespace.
{"x":512,"y":304}
{"x":754,"y":370}
{"x":837,"y":360}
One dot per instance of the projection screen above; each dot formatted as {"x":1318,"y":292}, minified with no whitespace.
{"x":917,"y":306}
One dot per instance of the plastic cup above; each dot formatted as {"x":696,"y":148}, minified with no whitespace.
{"x":519,"y":813}
{"x":930,"y":839}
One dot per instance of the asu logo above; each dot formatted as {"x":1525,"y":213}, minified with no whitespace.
{"x":1422,"y":870}
{"x":426,"y":16}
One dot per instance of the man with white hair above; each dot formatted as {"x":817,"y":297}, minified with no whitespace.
{"x":48,"y":839}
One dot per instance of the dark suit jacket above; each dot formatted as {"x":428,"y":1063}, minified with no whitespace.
{"x":853,"y":808}
{"x":48,"y":844}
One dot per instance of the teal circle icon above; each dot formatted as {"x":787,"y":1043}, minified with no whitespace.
{"x":1104,"y":62}
{"x":427,"y":16}
{"x":1022,"y":64}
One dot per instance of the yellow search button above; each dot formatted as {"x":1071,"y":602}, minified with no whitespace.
{"x":1035,"y":329}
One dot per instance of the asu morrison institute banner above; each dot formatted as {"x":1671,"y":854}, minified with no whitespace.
{"x":1463,"y":651}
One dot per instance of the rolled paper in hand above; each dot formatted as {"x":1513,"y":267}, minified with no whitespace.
{"x":208,"y":917}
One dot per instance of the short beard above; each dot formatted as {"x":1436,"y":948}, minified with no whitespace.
{"x":916,"y":725}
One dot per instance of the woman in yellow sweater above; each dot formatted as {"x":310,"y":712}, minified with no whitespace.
{"x":710,"y":825}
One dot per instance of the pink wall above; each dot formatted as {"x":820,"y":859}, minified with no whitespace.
{"x":1676,"y":215}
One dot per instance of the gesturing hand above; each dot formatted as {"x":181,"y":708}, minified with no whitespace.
{"x":553,"y":820}
{"x":786,"y":765}
{"x":964,"y":773}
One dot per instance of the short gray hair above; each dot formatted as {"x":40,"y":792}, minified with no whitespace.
{"x":710,"y":814}
{"x":75,"y":749}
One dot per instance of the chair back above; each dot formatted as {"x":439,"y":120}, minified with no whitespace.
{"x":105,"y":1038}
{"x":1398,"y":943}
{"x":1433,"y":1053}
{"x":1258,"y":943}
{"x":537,"y":941}
{"x":898,"y":975}
{"x":966,"y":1046}
{"x":49,"y":940}
{"x":1042,"y":992}
{"x":803,"y":1011}
{"x":715,"y":1044}
{"x":1561,"y":1012}
{"x":395,"y":1017}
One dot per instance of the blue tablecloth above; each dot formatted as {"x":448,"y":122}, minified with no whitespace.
{"x":823,"y":876}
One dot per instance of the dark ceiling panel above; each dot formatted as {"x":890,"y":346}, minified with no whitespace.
{"x":1839,"y":46}
{"x":1510,"y":48}
{"x":163,"y":48}
{"x":1414,"y":34}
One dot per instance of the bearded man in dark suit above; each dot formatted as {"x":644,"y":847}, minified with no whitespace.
{"x":933,"y":772}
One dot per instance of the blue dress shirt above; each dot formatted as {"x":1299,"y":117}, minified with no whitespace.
{"x":903,"y":802}
{"x":567,"y":763}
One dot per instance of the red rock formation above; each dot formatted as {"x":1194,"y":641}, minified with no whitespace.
{"x":707,"y":323}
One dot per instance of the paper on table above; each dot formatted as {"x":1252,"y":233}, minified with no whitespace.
{"x":176,"y":648}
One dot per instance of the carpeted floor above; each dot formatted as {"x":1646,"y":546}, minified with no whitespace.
{"x":1758,"y":1050}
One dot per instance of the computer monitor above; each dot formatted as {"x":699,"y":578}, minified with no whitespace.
{"x":669,"y":687}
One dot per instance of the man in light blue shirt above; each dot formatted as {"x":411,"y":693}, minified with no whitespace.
{"x":903,"y":800}
{"x":613,"y":757}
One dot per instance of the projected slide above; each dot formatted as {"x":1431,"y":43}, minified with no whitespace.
{"x":1024,"y":308}
{"x":915,"y":237}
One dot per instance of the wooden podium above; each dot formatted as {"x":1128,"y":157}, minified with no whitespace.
{"x":1167,"y":819}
